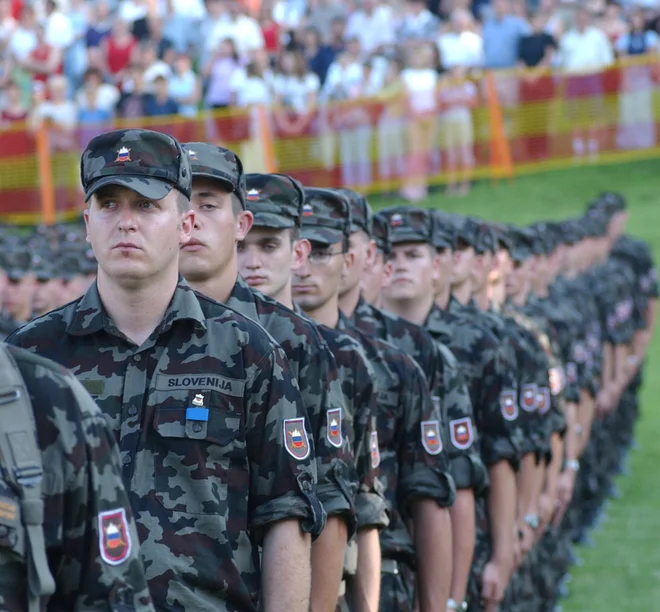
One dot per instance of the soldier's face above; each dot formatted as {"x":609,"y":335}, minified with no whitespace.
{"x":463,"y":264}
{"x":516,"y":279}
{"x":375,"y":278}
{"x":266,"y":258}
{"x":364,"y":251}
{"x":317,"y":279}
{"x":218,"y":226}
{"x":18,"y":296}
{"x":414,"y":271}
{"x":47,"y":294}
{"x":481,"y":268}
{"x":134,"y":238}
{"x":445,"y":265}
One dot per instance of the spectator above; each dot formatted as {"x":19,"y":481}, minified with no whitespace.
{"x":185,"y":87}
{"x":181,"y":21}
{"x":160,"y":103}
{"x":59,"y":30}
{"x":584,"y":53}
{"x":119,"y":50}
{"x":420,"y":80}
{"x":44,"y":60}
{"x":373,"y":26}
{"x":418,"y":23}
{"x":253,"y":90}
{"x":153,"y":66}
{"x":219,"y":71}
{"x":208,"y":44}
{"x":132,"y":102}
{"x":75,"y":56}
{"x":135,"y":13}
{"x":57,"y":112}
{"x":613,"y":23}
{"x":636,"y":117}
{"x":323,"y":14}
{"x":7,"y":22}
{"x":391,"y":123}
{"x":502,"y":33}
{"x":554,"y":23}
{"x":96,"y":100}
{"x":295,"y":89}
{"x":288,"y":14}
{"x":461,"y":45}
{"x":13,"y":110}
{"x":457,"y":97}
{"x":99,"y":25}
{"x":345,"y":75}
{"x":24,"y":38}
{"x":270,"y":30}
{"x":319,"y":56}
{"x":6,"y":68}
{"x":337,"y":30}
{"x":242,"y":29}
{"x":164,"y":46}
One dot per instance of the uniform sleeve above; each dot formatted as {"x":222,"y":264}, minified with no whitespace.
{"x":371,"y":506}
{"x":13,"y":566}
{"x":500,"y":429}
{"x":452,"y":402}
{"x":100,"y":545}
{"x":280,"y":451}
{"x":422,"y":458}
{"x":323,"y":395}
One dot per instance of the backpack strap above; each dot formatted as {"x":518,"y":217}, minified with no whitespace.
{"x":20,"y":458}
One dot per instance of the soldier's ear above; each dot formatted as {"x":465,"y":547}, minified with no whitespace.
{"x":244,"y":224}
{"x":301,"y":250}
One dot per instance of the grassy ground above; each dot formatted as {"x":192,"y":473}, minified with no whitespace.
{"x":622,"y":571}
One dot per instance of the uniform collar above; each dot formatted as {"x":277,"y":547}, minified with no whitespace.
{"x":90,"y":316}
{"x":242,"y":299}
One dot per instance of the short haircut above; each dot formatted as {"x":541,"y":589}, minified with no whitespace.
{"x":294,"y":233}
{"x":182,"y":202}
{"x":236,"y":204}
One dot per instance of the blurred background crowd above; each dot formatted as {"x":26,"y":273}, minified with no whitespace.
{"x":79,"y":63}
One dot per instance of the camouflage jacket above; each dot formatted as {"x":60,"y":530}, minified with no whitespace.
{"x":315,"y":369}
{"x":89,"y":532}
{"x":213,"y":436}
{"x":449,"y":391}
{"x":411,"y":442}
{"x":491,"y":385}
{"x":357,"y":425}
{"x":8,"y":325}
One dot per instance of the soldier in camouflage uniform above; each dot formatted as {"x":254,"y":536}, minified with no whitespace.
{"x":409,"y":295}
{"x":210,"y":264}
{"x":450,"y":394}
{"x":326,"y":225}
{"x":413,"y":461}
{"x":48,"y":291}
{"x":213,"y":434}
{"x":21,"y":283}
{"x":88,"y":533}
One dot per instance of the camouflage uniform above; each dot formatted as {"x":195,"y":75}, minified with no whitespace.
{"x":326,"y":221}
{"x":412,"y":442}
{"x":212,"y":431}
{"x":84,"y":501}
{"x":17,"y":264}
{"x":490,"y":383}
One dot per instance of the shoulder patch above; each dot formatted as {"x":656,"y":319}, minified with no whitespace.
{"x":509,"y":405}
{"x":375,"y":449}
{"x":556,"y":376}
{"x":543,"y":400}
{"x":295,"y":438}
{"x":528,"y":395}
{"x":431,"y":440}
{"x":334,"y":422}
{"x":461,"y":432}
{"x":115,"y":541}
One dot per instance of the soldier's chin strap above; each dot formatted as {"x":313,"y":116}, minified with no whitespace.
{"x":21,"y":459}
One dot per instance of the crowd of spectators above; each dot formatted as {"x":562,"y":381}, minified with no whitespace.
{"x":87,"y":62}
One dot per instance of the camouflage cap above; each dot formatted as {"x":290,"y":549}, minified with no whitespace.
{"x":361,"y":213}
{"x":381,"y":234}
{"x":502,"y":236}
{"x":43,"y":265}
{"x":443,"y":230}
{"x":326,"y":216}
{"x":87,"y":262}
{"x":275,"y":200}
{"x":70,"y":265}
{"x":18,"y":263}
{"x":408,"y":224}
{"x":150,"y":163}
{"x":521,"y":243}
{"x":485,"y":239}
{"x":217,"y":163}
{"x":466,"y":230}
{"x":571,"y":231}
{"x":544,"y":238}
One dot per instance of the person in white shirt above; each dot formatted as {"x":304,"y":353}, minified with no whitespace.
{"x":420,"y":81}
{"x":59,"y":31}
{"x":7,"y":23}
{"x":153,"y":67}
{"x":461,"y":45}
{"x":24,"y":37}
{"x":58,"y":113}
{"x":584,"y":53}
{"x":373,"y":26}
{"x":239,"y":27}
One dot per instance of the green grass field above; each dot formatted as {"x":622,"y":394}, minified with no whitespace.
{"x":622,"y":571}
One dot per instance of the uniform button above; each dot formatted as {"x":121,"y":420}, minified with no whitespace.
{"x":132,"y":411}
{"x":137,"y":358}
{"x":197,"y":427}
{"x":307,"y":486}
{"x":126,"y":459}
{"x":4,"y":530}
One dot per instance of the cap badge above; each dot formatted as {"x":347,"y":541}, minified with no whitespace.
{"x":253,"y":194}
{"x":396,"y":220}
{"x":192,"y":154}
{"x":123,"y":155}
{"x":307,"y":210}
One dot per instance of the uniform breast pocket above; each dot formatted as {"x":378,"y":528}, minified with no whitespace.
{"x":199,"y":452}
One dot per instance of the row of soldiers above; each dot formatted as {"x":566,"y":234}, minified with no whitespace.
{"x":321,"y":408}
